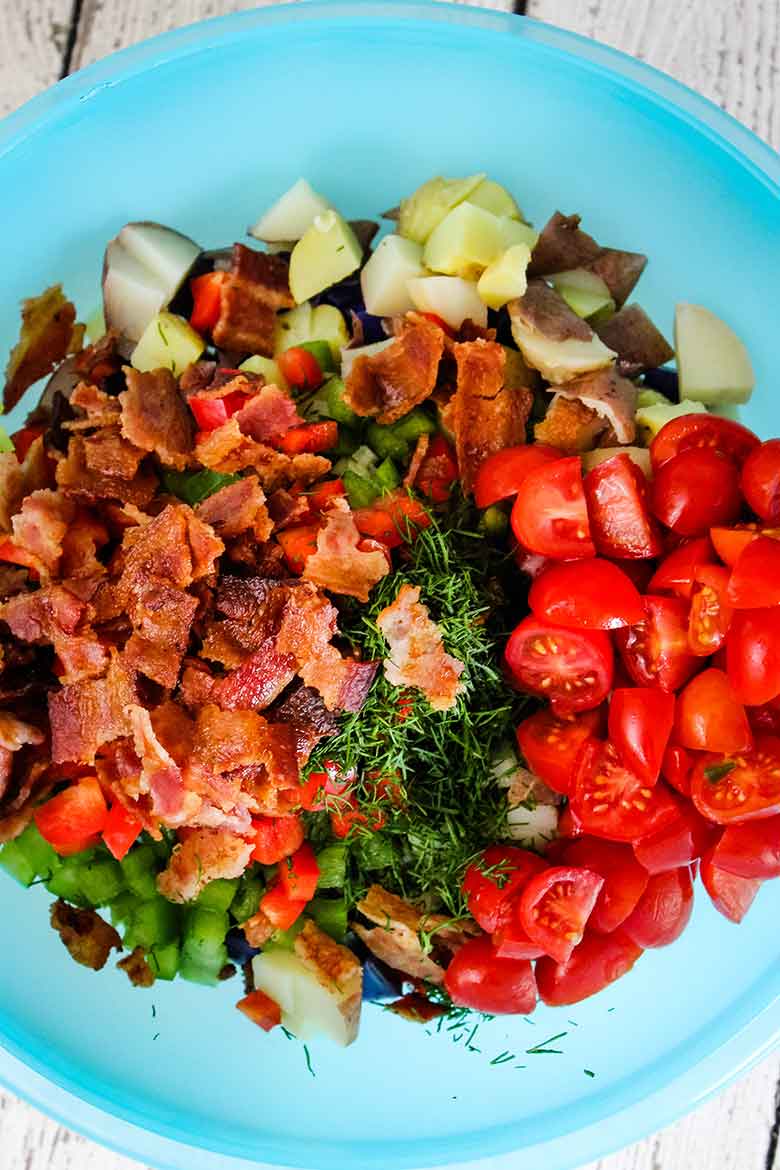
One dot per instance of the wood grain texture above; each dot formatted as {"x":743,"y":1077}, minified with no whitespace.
{"x":33,"y":35}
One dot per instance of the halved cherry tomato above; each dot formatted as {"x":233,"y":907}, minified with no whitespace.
{"x":438,"y":471}
{"x":122,"y":829}
{"x":743,"y":788}
{"x":710,"y":616}
{"x":676,"y":768}
{"x":624,"y":879}
{"x":677,"y":572}
{"x":206,"y":300}
{"x":280,"y":910}
{"x":394,"y":519}
{"x":663,"y":911}
{"x":501,"y":474}
{"x":477,"y":978}
{"x":555,"y":906}
{"x":275,"y":838}
{"x":261,"y":1009}
{"x":300,"y":368}
{"x":703,"y":430}
{"x":72,"y":819}
{"x":755,"y":578}
{"x":640,"y":723}
{"x":551,"y":746}
{"x":655,"y":652}
{"x":586,"y":595}
{"x":730,"y":894}
{"x":753,"y":661}
{"x":571,"y":668}
{"x":618,"y":506}
{"x":729,"y":543}
{"x":494,"y":881}
{"x":761,"y":481}
{"x":678,"y":843}
{"x":710,"y":718}
{"x":310,"y":438}
{"x":696,"y":490}
{"x":299,"y":873}
{"x":511,"y":940}
{"x":323,"y":495}
{"x":765,"y":718}
{"x":598,"y":961}
{"x":569,"y":827}
{"x":298,"y":544}
{"x":612,"y":801}
{"x":530,"y":563}
{"x":549,"y":515}
{"x":750,"y":850}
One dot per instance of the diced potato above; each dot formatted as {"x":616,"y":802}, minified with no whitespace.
{"x":584,"y":291}
{"x":533,"y":828}
{"x":713,"y":364}
{"x":291,"y":216}
{"x":465,"y":242}
{"x":559,"y":361}
{"x":267,"y":368}
{"x":427,"y":207}
{"x":168,"y":342}
{"x":324,"y":255}
{"x":638,"y":455}
{"x":292,"y":327}
{"x":650,"y":419}
{"x":384,"y":276}
{"x":328,"y":324}
{"x":132,"y":295}
{"x":350,"y":356}
{"x":649,"y":397}
{"x":166,"y":253}
{"x":513,"y":232}
{"x":449,"y":297}
{"x":495,"y":198}
{"x":505,"y":278}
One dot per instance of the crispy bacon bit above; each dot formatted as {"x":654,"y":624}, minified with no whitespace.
{"x":162,"y":616}
{"x":14,"y":735}
{"x":107,"y":453}
{"x":85,"y":715}
{"x":48,"y":334}
{"x":37,"y":617}
{"x":195,"y":684}
{"x":11,"y":488}
{"x":390,"y":383}
{"x":286,"y":509}
{"x":417,"y":655}
{"x":416,"y":1008}
{"x":161,"y":777}
{"x":258,"y":929}
{"x":487,"y":415}
{"x":237,"y":508}
{"x":339,"y":563}
{"x":396,"y":938}
{"x":198,"y":376}
{"x":137,"y":969}
{"x":227,"y":449}
{"x":88,"y":938}
{"x":415,"y":463}
{"x":75,"y":479}
{"x":101,"y":359}
{"x":256,"y":288}
{"x":569,"y":425}
{"x":259,"y":680}
{"x":79,"y":548}
{"x":562,"y":245}
{"x":253,"y":609}
{"x":100,"y":409}
{"x":226,"y":740}
{"x":40,"y":527}
{"x":305,"y":710}
{"x":268,"y":413}
{"x":611,"y":397}
{"x":202,"y":857}
{"x":155,"y":417}
{"x":175,"y":547}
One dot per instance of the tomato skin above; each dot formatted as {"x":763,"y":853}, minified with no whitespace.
{"x":477,"y":978}
{"x":710,"y":718}
{"x":655,"y":652}
{"x":695,"y":491}
{"x":621,"y":525}
{"x":598,"y":961}
{"x":710,"y":616}
{"x":640,"y":723}
{"x":543,"y":658}
{"x":693,"y":431}
{"x":752,"y":655}
{"x":730,"y":894}
{"x":300,"y":368}
{"x":663,"y":911}
{"x":624,"y":879}
{"x":679,"y":843}
{"x":511,"y":940}
{"x":765,"y":718}
{"x":761,"y":481}
{"x":438,"y":471}
{"x":490,"y":894}
{"x":549,"y":515}
{"x":750,"y":849}
{"x":120,"y":831}
{"x":729,"y":543}
{"x":555,"y":906}
{"x":586,"y":595}
{"x":209,"y":413}
{"x":551,"y":745}
{"x":501,"y":474}
{"x":750,"y":790}
{"x":677,"y":572}
{"x":755,"y":578}
{"x":72,"y":819}
{"x":611,"y":801}
{"x":276,"y":838}
{"x":676,"y":768}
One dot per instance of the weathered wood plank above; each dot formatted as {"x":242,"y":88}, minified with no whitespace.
{"x":32,"y":42}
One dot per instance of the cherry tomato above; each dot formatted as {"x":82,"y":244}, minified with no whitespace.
{"x":766,"y":717}
{"x":618,"y":506}
{"x":551,"y":745}
{"x":655,"y":652}
{"x":598,"y":961}
{"x":71,"y":820}
{"x":571,"y":668}
{"x":710,"y":616}
{"x":438,"y":471}
{"x":624,"y":879}
{"x":500,"y":476}
{"x":755,"y":578}
{"x":677,"y":572}
{"x":477,"y":978}
{"x":555,"y":907}
{"x":300,"y":368}
{"x":761,"y":481}
{"x":696,"y":490}
{"x":612,"y":801}
{"x":676,"y":768}
{"x":680,"y":842}
{"x":730,"y":543}
{"x":663,"y":911}
{"x":750,"y":850}
{"x":491,"y":883}
{"x":710,"y":718}
{"x":730,"y":894}
{"x":753,"y":655}
{"x":549,"y":515}
{"x":703,"y":431}
{"x":640,"y":723}
{"x":743,"y":788}
{"x":586,"y":595}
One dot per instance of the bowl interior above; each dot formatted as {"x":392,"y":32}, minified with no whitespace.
{"x":366,"y":103}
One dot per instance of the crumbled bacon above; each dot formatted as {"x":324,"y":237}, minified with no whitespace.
{"x":88,"y":938}
{"x":85,"y":715}
{"x":155,"y":417}
{"x":36,"y":617}
{"x":388,"y":384}
{"x":417,"y":655}
{"x":47,"y":335}
{"x":396,"y":937}
{"x":14,"y":735}
{"x":136,"y":968}
{"x":100,"y":409}
{"x":252,"y":293}
{"x":487,"y":415}
{"x":268,"y":413}
{"x":226,"y":449}
{"x":569,"y":425}
{"x":175,"y":547}
{"x":108,"y":453}
{"x":203,"y":856}
{"x":40,"y":527}
{"x":23,"y":794}
{"x":101,"y":359}
{"x":286,"y":509}
{"x":237,"y":508}
{"x":226,"y":740}
{"x":11,"y":488}
{"x":257,"y":681}
{"x":197,"y":377}
{"x":75,"y":479}
{"x":195,"y":684}
{"x":339,"y":564}
{"x":161,"y":777}
{"x":162,"y":616}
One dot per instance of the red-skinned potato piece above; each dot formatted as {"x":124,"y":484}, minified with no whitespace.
{"x":598,"y":961}
{"x":663,"y":911}
{"x":761,"y":481}
{"x":573,"y":669}
{"x":555,"y":906}
{"x":640,"y":723}
{"x":477,"y":978}
{"x":730,"y":894}
{"x":655,"y":652}
{"x":621,"y":524}
{"x":611,"y":801}
{"x":678,"y":843}
{"x":677,"y":572}
{"x":500,"y":475}
{"x":493,"y":881}
{"x":695,"y":491}
{"x":742,"y":787}
{"x":694,"y":431}
{"x":709,"y":717}
{"x":750,"y":849}
{"x":625,"y":880}
{"x":586,"y":595}
{"x":755,"y":578}
{"x":753,"y":655}
{"x":549,"y":515}
{"x":551,"y":745}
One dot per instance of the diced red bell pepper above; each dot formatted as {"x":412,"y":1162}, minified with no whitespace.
{"x":280,"y":910}
{"x":72,"y":819}
{"x":276,"y":838}
{"x":24,"y":439}
{"x":298,"y":544}
{"x":300,"y":368}
{"x":210,"y":413}
{"x":393,"y":519}
{"x":438,"y":470}
{"x":206,"y":300}
{"x":308,"y":439}
{"x":343,"y":822}
{"x":324,"y":494}
{"x":299,"y":874}
{"x":435,"y":319}
{"x":261,"y":1009}
{"x":121,"y":831}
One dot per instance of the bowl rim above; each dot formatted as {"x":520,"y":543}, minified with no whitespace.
{"x":713,"y":1060}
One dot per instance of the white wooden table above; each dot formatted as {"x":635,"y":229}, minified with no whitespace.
{"x":729,"y":50}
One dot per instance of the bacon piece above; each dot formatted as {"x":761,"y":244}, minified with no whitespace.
{"x":487,"y":415}
{"x":417,"y":655}
{"x":303,"y":708}
{"x":258,"y":929}
{"x":286,"y":509}
{"x":155,"y":417}
{"x":100,"y":409}
{"x":40,"y":527}
{"x":306,"y":469}
{"x":107,"y":453}
{"x":253,"y":609}
{"x":24,"y":793}
{"x":161,"y":776}
{"x":197,"y":376}
{"x":88,"y":938}
{"x":339,"y":564}
{"x":137,"y":969}
{"x":162,"y":616}
{"x":237,"y":508}
{"x":396,"y":937}
{"x":75,"y":479}
{"x":562,"y":245}
{"x":100,"y":360}
{"x":195,"y":685}
{"x":226,"y":740}
{"x":256,"y":288}
{"x":388,"y":384}
{"x":48,"y":335}
{"x":202,"y":857}
{"x":176,"y":547}
{"x":11,"y":488}
{"x":570,"y":426}
{"x":53,"y":614}
{"x":14,"y":735}
{"x":85,"y":715}
{"x":610,"y":396}
{"x":227,"y":449}
{"x":258,"y":680}
{"x":79,"y":548}
{"x":269,"y":413}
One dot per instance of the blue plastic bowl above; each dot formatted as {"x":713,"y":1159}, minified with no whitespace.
{"x":201,"y":129}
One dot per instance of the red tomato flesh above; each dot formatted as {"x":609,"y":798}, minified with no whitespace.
{"x":549,"y":515}
{"x":755,"y":578}
{"x":494,"y":881}
{"x":676,"y":768}
{"x":438,"y":471}
{"x":679,"y":843}
{"x":696,"y":490}
{"x":394,"y":519}
{"x":555,"y":907}
{"x":281,"y":911}
{"x":300,"y":368}
{"x":621,"y":525}
{"x":598,"y":961}
{"x":551,"y":745}
{"x":206,"y":300}
{"x":501,"y":474}
{"x":298,"y":544}
{"x":612,"y":801}
{"x":742,"y":787}
{"x":710,"y":718}
{"x":655,"y":652}
{"x":750,"y":850}
{"x":663,"y":911}
{"x":624,"y":879}
{"x":310,"y":438}
{"x":70,"y":820}
{"x":761,"y":481}
{"x":640,"y":723}
{"x":730,"y":894}
{"x":478,"y":978}
{"x":693,"y":431}
{"x":752,"y":658}
{"x":677,"y":572}
{"x":710,"y":616}
{"x":586,"y":595}
{"x":571,"y":668}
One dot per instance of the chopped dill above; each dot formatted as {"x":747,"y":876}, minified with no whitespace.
{"x":589,"y":1072}
{"x":543,"y":1048}
{"x":307,"y":1054}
